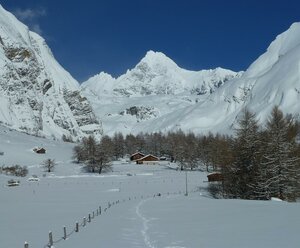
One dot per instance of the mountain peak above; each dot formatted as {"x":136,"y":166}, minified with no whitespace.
{"x":153,"y":58}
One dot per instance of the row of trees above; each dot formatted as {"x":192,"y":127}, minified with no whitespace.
{"x":258,"y":162}
{"x":95,"y":155}
{"x":263,"y":161}
{"x":188,"y":150}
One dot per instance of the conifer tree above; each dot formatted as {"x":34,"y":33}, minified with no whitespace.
{"x":279,"y":157}
{"x":240,"y":176}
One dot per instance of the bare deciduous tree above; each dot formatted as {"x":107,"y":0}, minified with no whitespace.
{"x":49,"y":164}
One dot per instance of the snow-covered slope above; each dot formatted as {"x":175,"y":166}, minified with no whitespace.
{"x":273,"y":79}
{"x":156,"y":91}
{"x":36,"y":94}
{"x":157,"y":95}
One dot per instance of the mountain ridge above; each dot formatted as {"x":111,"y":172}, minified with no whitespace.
{"x":212,"y":106}
{"x":155,"y":73}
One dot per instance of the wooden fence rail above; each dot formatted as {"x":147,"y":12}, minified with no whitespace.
{"x":85,"y":220}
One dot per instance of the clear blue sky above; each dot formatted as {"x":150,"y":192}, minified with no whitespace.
{"x":90,"y":36}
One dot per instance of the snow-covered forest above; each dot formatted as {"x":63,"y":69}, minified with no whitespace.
{"x":258,"y":162}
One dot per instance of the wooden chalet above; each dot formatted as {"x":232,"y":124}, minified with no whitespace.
{"x":215,"y":177}
{"x":136,"y":156}
{"x":40,"y":150}
{"x":148,"y":159}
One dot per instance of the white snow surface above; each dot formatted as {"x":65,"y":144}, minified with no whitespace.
{"x":65,"y":196}
{"x":169,"y":97}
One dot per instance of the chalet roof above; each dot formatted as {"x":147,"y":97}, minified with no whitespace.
{"x":137,"y":153}
{"x":214,"y":173}
{"x":149,"y":155}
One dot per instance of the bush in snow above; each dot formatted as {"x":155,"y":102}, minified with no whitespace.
{"x":15,"y":170}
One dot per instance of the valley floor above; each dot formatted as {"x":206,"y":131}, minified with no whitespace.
{"x":29,"y":211}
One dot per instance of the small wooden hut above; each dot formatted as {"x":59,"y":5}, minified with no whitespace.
{"x":215,"y":177}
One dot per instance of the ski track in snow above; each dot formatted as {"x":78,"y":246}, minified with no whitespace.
{"x":145,"y":221}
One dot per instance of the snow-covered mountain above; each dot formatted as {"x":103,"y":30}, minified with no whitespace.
{"x":156,"y":91}
{"x":36,"y":94}
{"x":156,"y":74}
{"x":273,"y":79}
{"x":157,"y":95}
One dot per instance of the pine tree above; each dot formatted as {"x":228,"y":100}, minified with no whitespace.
{"x":279,"y":157}
{"x":240,"y":176}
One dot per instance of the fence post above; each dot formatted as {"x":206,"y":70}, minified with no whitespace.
{"x":50,"y":239}
{"x":89,"y":220}
{"x":26,"y":245}
{"x":100,"y":210}
{"x":84,"y":221}
{"x":77,"y":227}
{"x":65,"y":233}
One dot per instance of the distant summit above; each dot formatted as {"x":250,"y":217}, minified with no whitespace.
{"x":157,"y":74}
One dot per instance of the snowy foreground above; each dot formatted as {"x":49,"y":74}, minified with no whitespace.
{"x":136,"y":218}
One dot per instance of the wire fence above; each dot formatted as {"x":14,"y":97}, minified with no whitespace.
{"x":99,"y":211}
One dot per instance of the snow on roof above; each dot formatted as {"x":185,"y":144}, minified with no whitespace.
{"x":137,"y":153}
{"x":148,"y":156}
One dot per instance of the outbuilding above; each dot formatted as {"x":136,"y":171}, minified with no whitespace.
{"x":39,"y":150}
{"x":215,"y":177}
{"x":136,"y":156}
{"x":148,"y":159}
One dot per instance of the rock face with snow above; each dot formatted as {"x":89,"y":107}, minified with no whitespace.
{"x":36,"y":94}
{"x":204,"y":101}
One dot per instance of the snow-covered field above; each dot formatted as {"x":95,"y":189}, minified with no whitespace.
{"x":136,"y":218}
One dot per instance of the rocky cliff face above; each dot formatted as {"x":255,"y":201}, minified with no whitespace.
{"x":36,"y":94}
